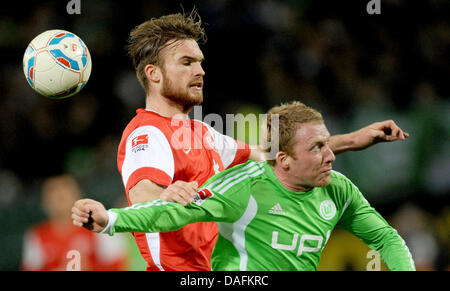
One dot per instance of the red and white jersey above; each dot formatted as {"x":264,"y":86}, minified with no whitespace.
{"x":164,"y":150}
{"x":48,"y":247}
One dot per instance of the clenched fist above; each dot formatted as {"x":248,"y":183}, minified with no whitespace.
{"x":89,"y":214}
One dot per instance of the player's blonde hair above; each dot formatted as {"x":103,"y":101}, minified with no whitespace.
{"x":290,"y":117}
{"x":149,"y":38}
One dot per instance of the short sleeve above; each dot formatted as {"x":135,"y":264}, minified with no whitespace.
{"x":148,"y":155}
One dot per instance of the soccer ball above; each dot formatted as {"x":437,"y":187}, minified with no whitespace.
{"x":57,"y":64}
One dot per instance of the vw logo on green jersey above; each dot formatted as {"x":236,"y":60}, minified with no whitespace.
{"x":327,"y":209}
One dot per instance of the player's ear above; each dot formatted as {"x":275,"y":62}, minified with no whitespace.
{"x":153,"y":73}
{"x":282,"y":160}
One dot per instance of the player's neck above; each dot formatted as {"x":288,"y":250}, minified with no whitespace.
{"x":166,"y":107}
{"x":289,"y":182}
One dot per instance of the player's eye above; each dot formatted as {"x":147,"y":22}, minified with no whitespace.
{"x":319,"y":146}
{"x":316,"y":147}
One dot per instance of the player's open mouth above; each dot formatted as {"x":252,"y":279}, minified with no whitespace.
{"x":327,"y":171}
{"x":196,"y":85}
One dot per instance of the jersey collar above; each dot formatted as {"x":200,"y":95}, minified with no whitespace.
{"x":269,"y":172}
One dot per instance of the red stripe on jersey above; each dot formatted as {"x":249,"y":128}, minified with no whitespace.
{"x":155,"y":175}
{"x":242,"y":154}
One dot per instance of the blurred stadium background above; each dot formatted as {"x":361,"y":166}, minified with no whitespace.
{"x":356,"y":68}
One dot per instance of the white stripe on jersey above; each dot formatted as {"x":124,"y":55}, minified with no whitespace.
{"x":240,"y":179}
{"x":345,"y":206}
{"x":157,"y":155}
{"x":154,"y":247}
{"x":235,"y":232}
{"x":220,"y":182}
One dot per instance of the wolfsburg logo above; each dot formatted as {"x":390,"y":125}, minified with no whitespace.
{"x":327,"y":209}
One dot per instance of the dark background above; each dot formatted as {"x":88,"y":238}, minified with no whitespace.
{"x":354,"y":67}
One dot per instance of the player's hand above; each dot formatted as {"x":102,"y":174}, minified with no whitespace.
{"x":89,"y":214}
{"x":384,"y":131}
{"x":181,"y":192}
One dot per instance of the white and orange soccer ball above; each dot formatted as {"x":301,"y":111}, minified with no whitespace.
{"x":57,"y":64}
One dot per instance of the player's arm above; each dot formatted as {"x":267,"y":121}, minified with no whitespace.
{"x":146,"y":191}
{"x":384,"y":131}
{"x":155,"y":216}
{"x":362,"y":220}
{"x":148,"y":169}
{"x":142,"y":217}
{"x":162,"y":216}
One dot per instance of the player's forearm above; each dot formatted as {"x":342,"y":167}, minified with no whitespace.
{"x":341,"y":143}
{"x":138,"y":218}
{"x":155,"y":216}
{"x":338,"y":144}
{"x":394,"y":252}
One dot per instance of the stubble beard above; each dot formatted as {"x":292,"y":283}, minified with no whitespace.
{"x":180,"y":96}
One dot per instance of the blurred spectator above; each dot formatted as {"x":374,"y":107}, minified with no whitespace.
{"x":49,"y":245}
{"x":416,"y":228}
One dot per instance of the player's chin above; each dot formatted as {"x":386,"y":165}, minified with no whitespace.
{"x":324,"y":180}
{"x":196,"y":98}
{"x":196,"y":92}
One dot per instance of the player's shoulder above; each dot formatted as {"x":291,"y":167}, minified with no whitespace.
{"x":342,"y":185}
{"x":335,"y":175}
{"x":339,"y":182}
{"x":250,"y":169}
{"x":338,"y":177}
{"x":238,"y":177}
{"x":207,"y":129}
{"x":146,"y":122}
{"x":148,"y":118}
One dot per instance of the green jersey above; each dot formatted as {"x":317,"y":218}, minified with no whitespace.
{"x":264,"y":226}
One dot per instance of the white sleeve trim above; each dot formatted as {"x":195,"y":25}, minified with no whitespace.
{"x":112,"y":217}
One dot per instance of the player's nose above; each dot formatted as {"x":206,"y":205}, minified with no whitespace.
{"x":198,"y":71}
{"x":329,"y":155}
